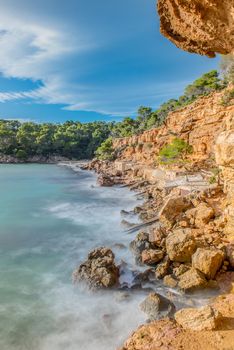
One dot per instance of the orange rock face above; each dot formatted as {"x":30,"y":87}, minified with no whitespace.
{"x":199,"y":124}
{"x":200,"y":26}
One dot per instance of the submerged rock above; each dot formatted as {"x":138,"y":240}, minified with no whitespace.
{"x":203,"y":319}
{"x":208,"y":261}
{"x":156,"y":306}
{"x":163,"y":268}
{"x":105,"y":180}
{"x":99,"y":270}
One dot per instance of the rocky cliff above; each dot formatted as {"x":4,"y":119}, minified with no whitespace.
{"x":199,"y":124}
{"x":201,"y":26}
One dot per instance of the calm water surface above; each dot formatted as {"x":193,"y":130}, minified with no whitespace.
{"x":50,"y":217}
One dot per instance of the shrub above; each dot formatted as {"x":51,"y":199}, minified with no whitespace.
{"x":174,"y":151}
{"x":106,"y":150}
{"x":21,"y":154}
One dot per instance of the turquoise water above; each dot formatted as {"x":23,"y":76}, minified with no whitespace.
{"x":50,"y":217}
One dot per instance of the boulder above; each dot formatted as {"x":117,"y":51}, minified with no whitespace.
{"x":203,"y":319}
{"x":105,"y":180}
{"x":200,"y":215}
{"x":172,"y":209}
{"x":140,"y":243}
{"x":180,"y":245}
{"x":208,"y":261}
{"x":192,"y":279}
{"x":157,"y":236}
{"x":99,"y":270}
{"x":156,"y":306}
{"x":152,"y":256}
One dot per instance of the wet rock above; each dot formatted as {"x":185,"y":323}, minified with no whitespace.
{"x":143,"y":277}
{"x":99,"y":270}
{"x":192,"y":279}
{"x":155,"y":306}
{"x":170,"y":281}
{"x":180,"y":245}
{"x":140,"y":243}
{"x":152,"y":256}
{"x":105,"y":180}
{"x":119,"y":246}
{"x":172,"y":209}
{"x":127,"y":224}
{"x":207,"y":261}
{"x":203,"y":319}
{"x":163,"y":268}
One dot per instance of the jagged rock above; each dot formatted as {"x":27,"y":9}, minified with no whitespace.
{"x":200,"y":215}
{"x":142,"y":277}
{"x":99,"y":270}
{"x":200,"y":26}
{"x":207,"y":261}
{"x":157,"y":306}
{"x":163,"y":268}
{"x":172,"y":209}
{"x":192,"y":279}
{"x":203,"y":319}
{"x":152,"y":256}
{"x":180,"y":245}
{"x":170,"y":281}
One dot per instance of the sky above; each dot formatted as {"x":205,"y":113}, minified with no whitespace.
{"x":88,"y":60}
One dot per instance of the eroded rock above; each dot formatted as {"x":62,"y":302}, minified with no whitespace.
{"x":99,"y":270}
{"x":192,"y":279}
{"x":152,"y":256}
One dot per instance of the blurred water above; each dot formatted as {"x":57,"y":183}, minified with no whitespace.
{"x":50,"y":218}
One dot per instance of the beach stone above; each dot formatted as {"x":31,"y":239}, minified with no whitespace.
{"x":208,"y":261}
{"x":203,"y":319}
{"x":180,"y":245}
{"x":99,"y":270}
{"x":192,"y":279}
{"x":163,"y":268}
{"x":152,"y":256}
{"x":140,"y":243}
{"x":156,"y":306}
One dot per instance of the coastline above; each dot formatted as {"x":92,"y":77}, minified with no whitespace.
{"x":214,"y":294}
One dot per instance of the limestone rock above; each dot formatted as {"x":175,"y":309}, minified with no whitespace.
{"x":157,"y":306}
{"x":174,"y":206}
{"x":99,"y":270}
{"x":200,"y":26}
{"x":192,"y":279}
{"x":203,"y":319}
{"x":152,"y":256}
{"x":180,"y":245}
{"x":207,"y":261}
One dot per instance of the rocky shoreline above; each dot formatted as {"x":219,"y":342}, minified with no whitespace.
{"x":186,"y":248}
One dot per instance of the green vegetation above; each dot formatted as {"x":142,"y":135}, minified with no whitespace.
{"x":227,"y":68}
{"x":105,"y":151}
{"x":215,"y":177}
{"x":175,"y":151}
{"x":71,"y":139}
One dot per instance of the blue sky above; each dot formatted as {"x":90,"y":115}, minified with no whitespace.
{"x":87,"y":60}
